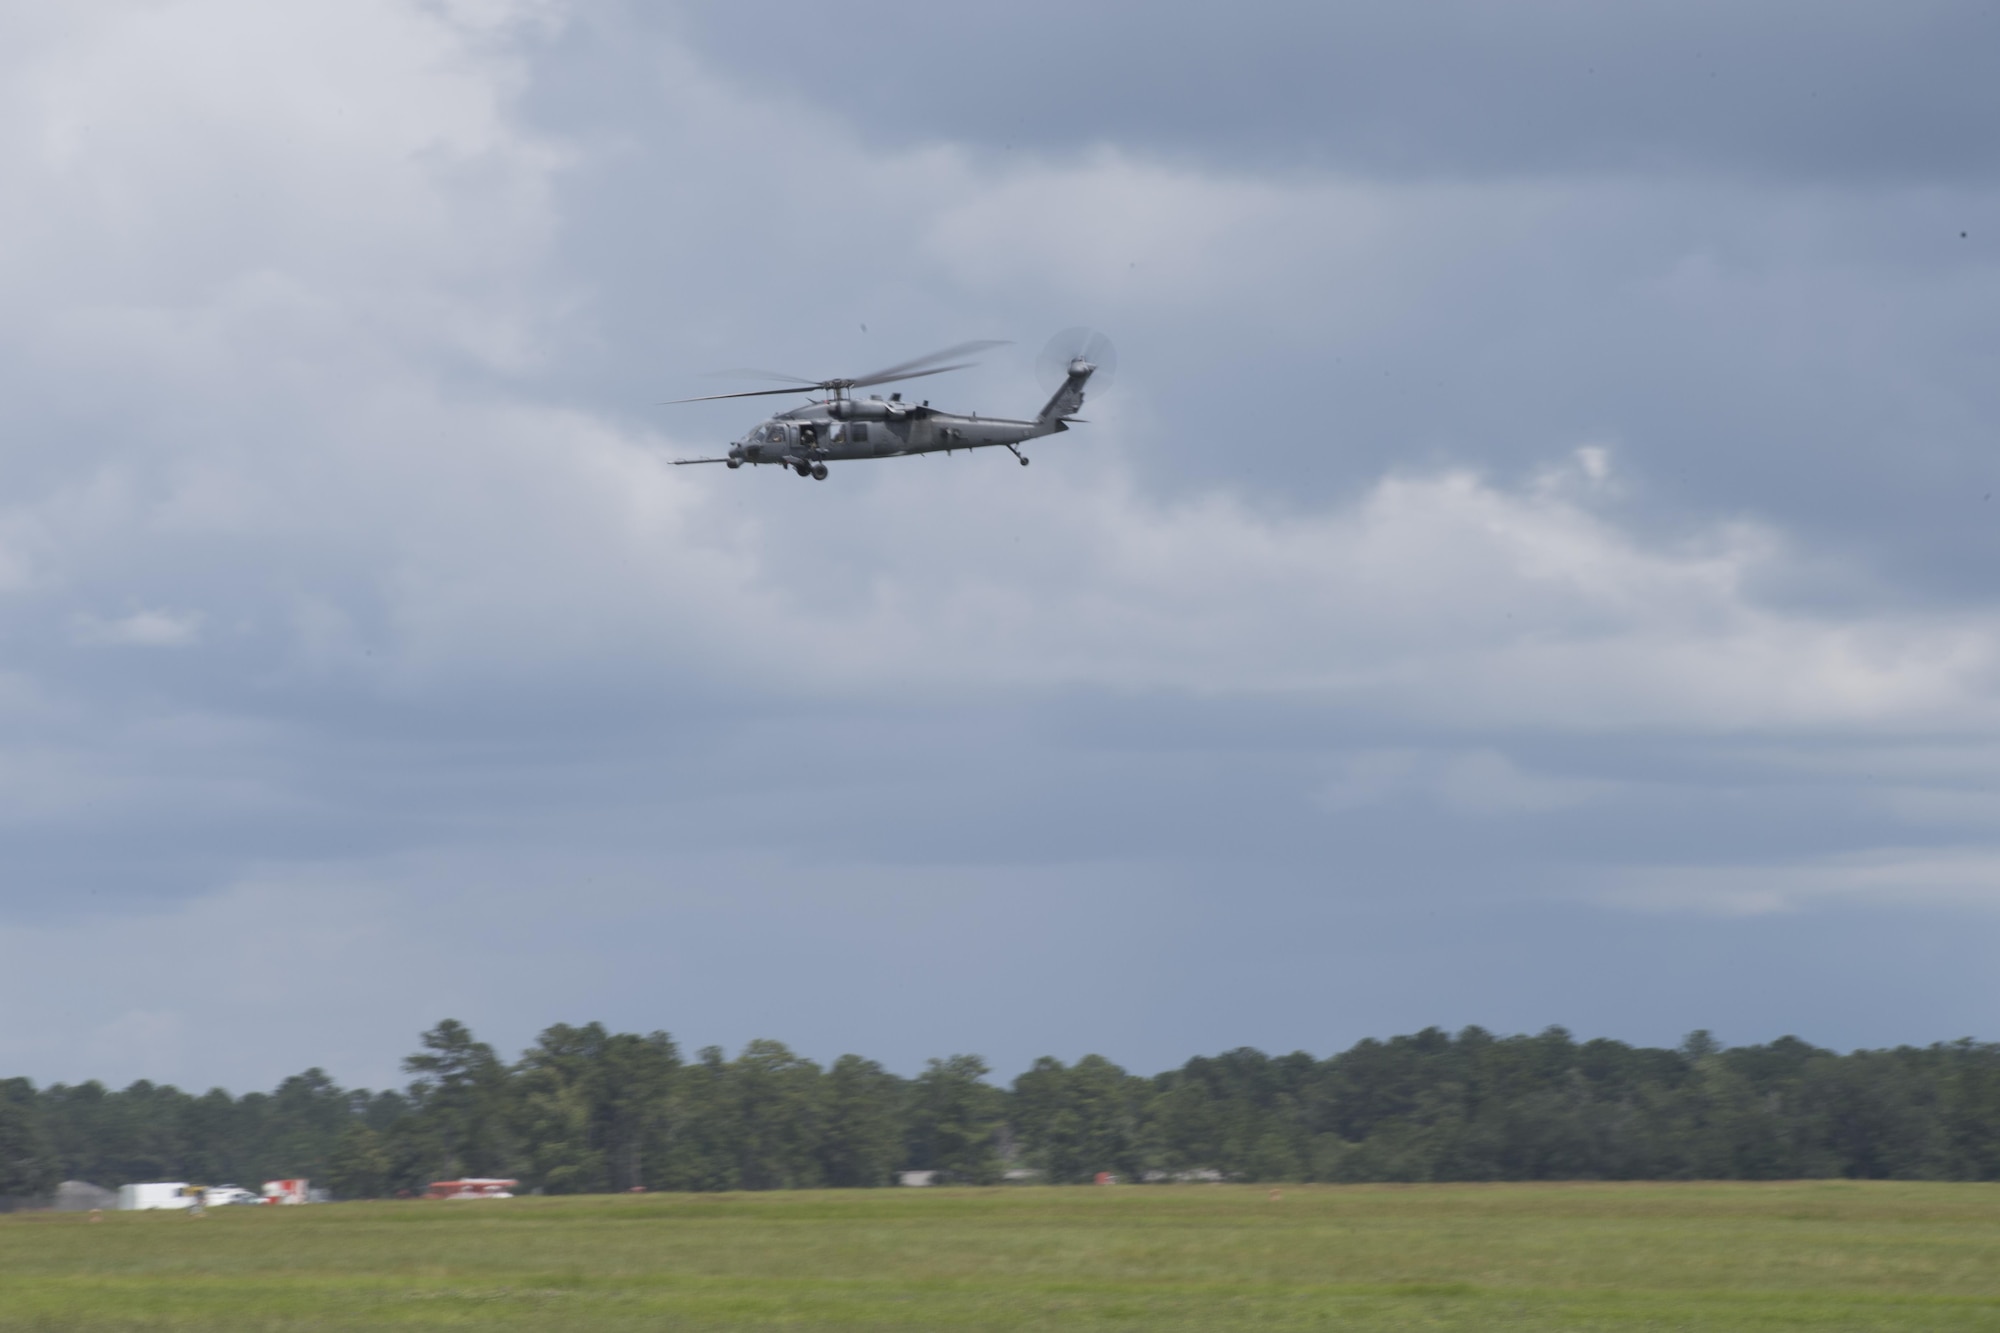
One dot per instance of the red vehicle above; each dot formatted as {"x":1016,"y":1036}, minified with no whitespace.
{"x":472,"y":1187}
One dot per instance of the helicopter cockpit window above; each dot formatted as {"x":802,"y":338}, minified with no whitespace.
{"x":774,"y":434}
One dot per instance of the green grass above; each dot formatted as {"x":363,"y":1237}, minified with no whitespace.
{"x":1814,"y":1255}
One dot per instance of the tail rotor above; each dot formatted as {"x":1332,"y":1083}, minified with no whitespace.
{"x":1064,"y":350}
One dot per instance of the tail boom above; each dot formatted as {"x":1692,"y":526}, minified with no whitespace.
{"x":1067,"y":401}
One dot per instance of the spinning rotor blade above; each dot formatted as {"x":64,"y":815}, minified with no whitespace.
{"x":749,"y":393}
{"x":1052,"y":366}
{"x":913,"y":375}
{"x":902,"y":370}
{"x":745,"y":373}
{"x":911,"y":369}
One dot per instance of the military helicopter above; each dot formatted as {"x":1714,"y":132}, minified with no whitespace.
{"x":839,"y":426}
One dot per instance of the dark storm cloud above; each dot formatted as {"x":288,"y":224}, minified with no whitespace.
{"x":1529,"y":570}
{"x":1766,"y":314}
{"x":1799,"y":89}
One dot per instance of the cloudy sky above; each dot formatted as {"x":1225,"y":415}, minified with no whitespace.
{"x":1535,"y":564}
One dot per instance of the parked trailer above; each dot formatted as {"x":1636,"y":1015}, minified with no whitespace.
{"x":154,"y":1194}
{"x":472,"y":1187}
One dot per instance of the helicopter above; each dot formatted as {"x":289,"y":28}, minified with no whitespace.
{"x":839,"y":426}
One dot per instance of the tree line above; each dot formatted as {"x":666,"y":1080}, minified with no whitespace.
{"x":588,"y":1110}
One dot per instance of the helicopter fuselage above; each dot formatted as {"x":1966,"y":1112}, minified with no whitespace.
{"x":876,"y":428}
{"x":842,"y":427}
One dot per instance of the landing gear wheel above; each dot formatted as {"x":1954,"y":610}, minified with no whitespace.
{"x":1024,"y":462}
{"x":819,"y":471}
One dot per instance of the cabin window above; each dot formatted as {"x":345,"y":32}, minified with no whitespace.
{"x":858,"y":432}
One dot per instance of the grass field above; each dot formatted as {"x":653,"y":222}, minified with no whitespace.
{"x":1819,"y":1255}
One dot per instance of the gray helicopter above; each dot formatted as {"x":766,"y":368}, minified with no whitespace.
{"x":840,"y":426}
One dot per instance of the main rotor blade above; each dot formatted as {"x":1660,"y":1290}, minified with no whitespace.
{"x":912,"y":369}
{"x":913,"y":375}
{"x":900,"y":369}
{"x":748,"y":393}
{"x":746,"y":373}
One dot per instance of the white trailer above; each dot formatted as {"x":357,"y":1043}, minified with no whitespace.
{"x":154,"y":1194}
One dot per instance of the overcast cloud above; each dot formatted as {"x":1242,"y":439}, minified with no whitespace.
{"x":1534,"y":565}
